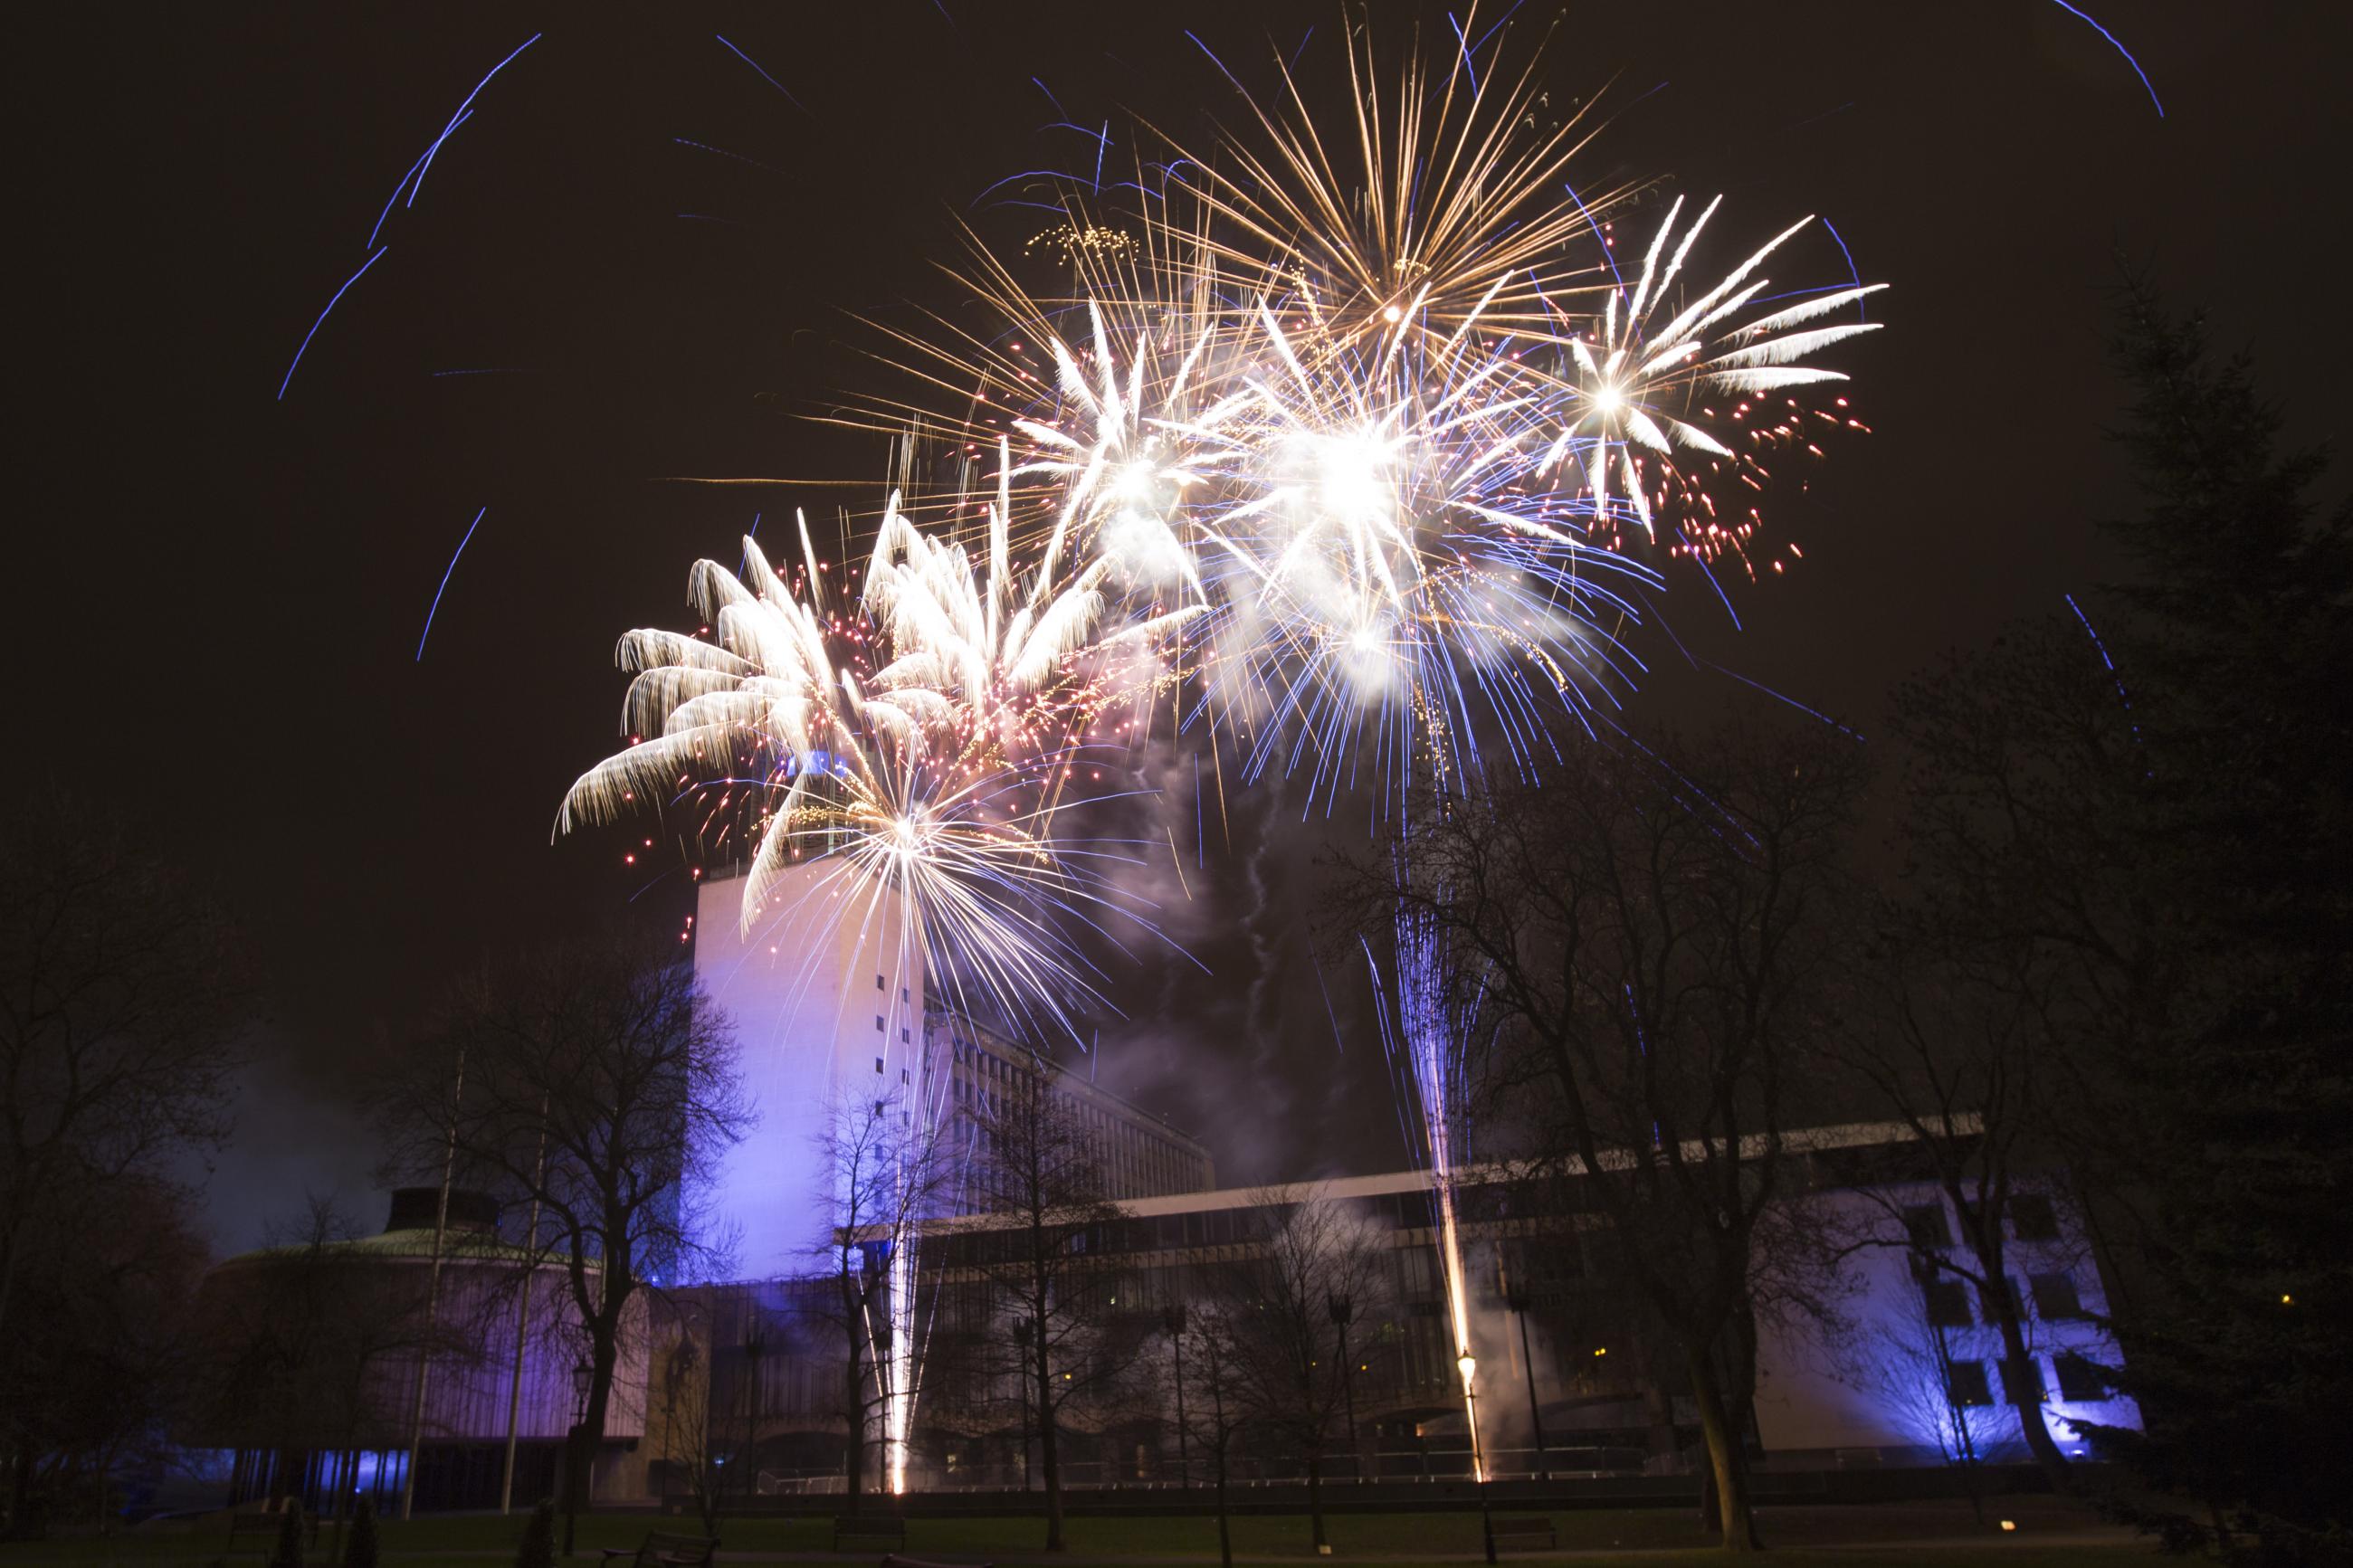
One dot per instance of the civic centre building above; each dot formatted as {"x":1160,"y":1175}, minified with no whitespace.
{"x":1575,"y":1376}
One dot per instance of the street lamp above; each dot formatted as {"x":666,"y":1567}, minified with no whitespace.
{"x":1172,"y":1318}
{"x":574,"y":1460}
{"x":1518,"y":1298}
{"x":1343,"y":1312}
{"x":1468,"y":1366}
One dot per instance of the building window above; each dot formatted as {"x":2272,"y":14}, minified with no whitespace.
{"x":878,"y":1064}
{"x":878,"y":1023}
{"x":904,"y":1038}
{"x":2054,"y":1296}
{"x":878,"y":984}
{"x":1925,"y":1228}
{"x":1948,"y":1304}
{"x":2034,"y":1218}
{"x":1966,"y":1385}
{"x":2021,"y":1381}
{"x":2081,"y":1380}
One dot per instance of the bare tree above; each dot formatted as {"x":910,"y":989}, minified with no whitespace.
{"x":880,"y":1158}
{"x":2028,"y":911}
{"x":101,"y":1351}
{"x":1654,"y":928}
{"x":122,"y":991}
{"x":308,"y":1346}
{"x":708,"y":1433}
{"x":1208,"y":1373}
{"x":1038,"y":1169}
{"x":1280,"y":1325}
{"x":1906,"y":1362}
{"x":1957,"y":1053}
{"x":600,"y":1083}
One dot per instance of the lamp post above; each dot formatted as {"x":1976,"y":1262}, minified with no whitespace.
{"x":1172,"y":1318}
{"x":1468,"y":1366}
{"x":1518,"y":1298}
{"x":574,"y":1462}
{"x":1343,"y":1312}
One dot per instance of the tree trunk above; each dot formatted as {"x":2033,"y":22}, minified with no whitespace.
{"x":1316,"y":1495}
{"x":578,"y":1462}
{"x":1224,"y":1532}
{"x":1732,"y":1513}
{"x":2027,"y":1401}
{"x":1049,"y":1459}
{"x":853,"y":1409}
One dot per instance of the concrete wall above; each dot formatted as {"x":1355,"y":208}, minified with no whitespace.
{"x":825,"y":989}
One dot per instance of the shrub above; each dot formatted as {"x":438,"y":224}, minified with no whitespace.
{"x":538,"y":1547}
{"x":359,"y":1551}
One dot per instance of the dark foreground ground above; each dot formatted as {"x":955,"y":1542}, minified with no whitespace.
{"x":2048,"y":1533}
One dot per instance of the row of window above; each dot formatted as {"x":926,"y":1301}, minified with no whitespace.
{"x":2032,"y":1217}
{"x":2054,"y":1298}
{"x":2080,"y":1381}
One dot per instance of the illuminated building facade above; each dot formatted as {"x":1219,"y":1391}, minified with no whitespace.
{"x":1561,"y":1337}
{"x":827,"y":997}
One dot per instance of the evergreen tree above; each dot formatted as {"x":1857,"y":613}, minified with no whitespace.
{"x":288,"y":1553}
{"x":538,"y":1547}
{"x":2236,"y":641}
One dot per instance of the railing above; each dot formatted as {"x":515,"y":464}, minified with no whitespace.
{"x":1409,"y":1466}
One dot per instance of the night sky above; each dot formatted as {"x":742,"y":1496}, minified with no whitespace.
{"x":218,"y":596}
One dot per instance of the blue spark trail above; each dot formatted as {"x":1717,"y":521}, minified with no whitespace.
{"x":723,"y":152}
{"x":756,"y":65}
{"x":445,"y":575}
{"x":424,"y":165}
{"x":2115,"y":675}
{"x":1859,"y":313}
{"x":321,"y":322}
{"x":1463,"y":49}
{"x":393,"y":200}
{"x":2119,"y":48}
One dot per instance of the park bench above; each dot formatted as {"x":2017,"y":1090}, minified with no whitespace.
{"x":660,"y":1550}
{"x":868,"y":1530}
{"x":264,"y":1525}
{"x":1521,"y":1530}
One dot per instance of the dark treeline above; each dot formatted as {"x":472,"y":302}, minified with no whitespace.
{"x":2109,"y":951}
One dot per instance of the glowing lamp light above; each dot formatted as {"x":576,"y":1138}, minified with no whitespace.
{"x":2010,"y":1524}
{"x":1466,"y":1364}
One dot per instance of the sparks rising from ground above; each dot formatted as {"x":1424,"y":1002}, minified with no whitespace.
{"x":1427,"y":1040}
{"x":1363,"y":460}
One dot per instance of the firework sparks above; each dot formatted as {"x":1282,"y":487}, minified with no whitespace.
{"x":1427,"y":1041}
{"x":1358,"y":459}
{"x":1379,"y":453}
{"x":905,"y":748}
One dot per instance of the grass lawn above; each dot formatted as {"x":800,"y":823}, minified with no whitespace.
{"x":1654,"y":1538}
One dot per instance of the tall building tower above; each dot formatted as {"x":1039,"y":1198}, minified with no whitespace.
{"x":824,"y":987}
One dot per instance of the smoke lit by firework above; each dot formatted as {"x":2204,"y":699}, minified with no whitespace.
{"x":1358,"y":462}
